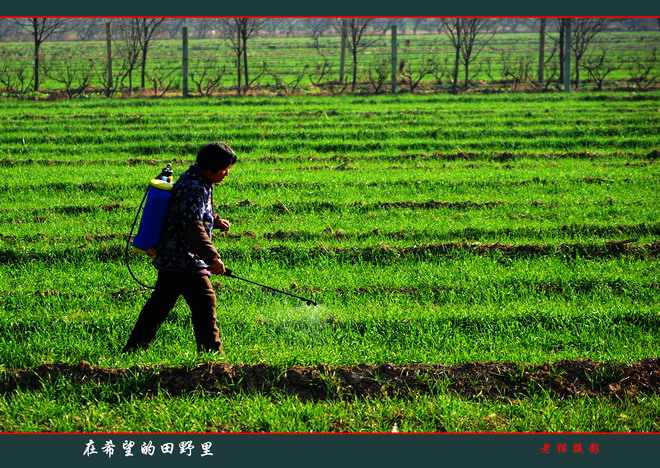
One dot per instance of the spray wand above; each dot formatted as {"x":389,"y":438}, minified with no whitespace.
{"x":231,"y":274}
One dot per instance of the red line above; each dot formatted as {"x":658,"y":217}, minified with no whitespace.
{"x":295,"y":16}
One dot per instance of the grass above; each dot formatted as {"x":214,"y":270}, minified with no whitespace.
{"x":450,"y":311}
{"x":289,"y":57}
{"x":430,"y":229}
{"x":95,"y":409}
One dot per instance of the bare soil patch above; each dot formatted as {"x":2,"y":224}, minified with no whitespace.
{"x":564,"y":379}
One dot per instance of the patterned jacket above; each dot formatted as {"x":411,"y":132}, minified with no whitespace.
{"x":191,"y":202}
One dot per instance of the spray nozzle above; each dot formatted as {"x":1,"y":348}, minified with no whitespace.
{"x":166,"y":172}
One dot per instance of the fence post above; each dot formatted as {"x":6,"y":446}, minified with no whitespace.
{"x":394,"y":59}
{"x":567,"y":57}
{"x":342,"y":58}
{"x":541,"y":54}
{"x":185,"y":62}
{"x":108,"y":41}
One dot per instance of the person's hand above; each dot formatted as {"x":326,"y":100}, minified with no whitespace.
{"x":221,"y":224}
{"x":217,"y":267}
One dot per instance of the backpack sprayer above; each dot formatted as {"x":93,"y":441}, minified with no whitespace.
{"x":158,"y":196}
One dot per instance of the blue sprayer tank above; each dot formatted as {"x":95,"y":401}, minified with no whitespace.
{"x":154,"y":213}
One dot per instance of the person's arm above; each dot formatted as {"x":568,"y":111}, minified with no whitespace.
{"x":203,"y":247}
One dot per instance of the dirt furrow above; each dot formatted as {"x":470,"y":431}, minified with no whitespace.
{"x":563,"y":379}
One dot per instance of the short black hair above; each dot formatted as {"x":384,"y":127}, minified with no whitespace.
{"x":215,"y":156}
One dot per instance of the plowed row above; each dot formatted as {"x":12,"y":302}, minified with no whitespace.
{"x":566,"y":378}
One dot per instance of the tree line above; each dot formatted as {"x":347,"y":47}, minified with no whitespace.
{"x":468,"y":38}
{"x":93,"y":29}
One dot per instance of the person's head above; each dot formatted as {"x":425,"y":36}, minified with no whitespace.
{"x":214,"y":160}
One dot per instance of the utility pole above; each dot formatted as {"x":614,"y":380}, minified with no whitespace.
{"x":185,"y":62}
{"x":394,"y":59}
{"x":567,"y":57}
{"x":108,"y":42}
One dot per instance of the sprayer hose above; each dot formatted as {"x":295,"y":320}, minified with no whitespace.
{"x":128,"y":241}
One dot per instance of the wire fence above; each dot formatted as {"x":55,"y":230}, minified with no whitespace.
{"x":507,"y":62}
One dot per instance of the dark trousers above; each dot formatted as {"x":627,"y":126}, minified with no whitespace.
{"x":199,"y":295}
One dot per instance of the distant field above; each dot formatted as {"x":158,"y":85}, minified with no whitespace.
{"x":440,"y":229}
{"x":288,"y":58}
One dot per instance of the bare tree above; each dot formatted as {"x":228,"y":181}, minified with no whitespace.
{"x":207,"y":74}
{"x":110,"y":83}
{"x":583,"y":32}
{"x":289,"y":26}
{"x":417,"y":24}
{"x":15,"y":75}
{"x":559,"y":40}
{"x":255,"y":79}
{"x":203,"y":26}
{"x":317,"y":26}
{"x":441,"y":71}
{"x":173,"y":26}
{"x":477,"y":34}
{"x":359,"y":34}
{"x":129,"y":49}
{"x":322,"y":75}
{"x":454,"y":29}
{"x":643,"y":70}
{"x":540,"y":71}
{"x":146,"y":29}
{"x":135,"y":38}
{"x":41,"y":29}
{"x":400,"y":24}
{"x":468,"y":37}
{"x":6,"y":29}
{"x":377,"y":74}
{"x":552,"y":69}
{"x":89,"y":29}
{"x":509,"y":24}
{"x":412,"y":77}
{"x":73,"y":74}
{"x":287,"y":86}
{"x":162,"y":78}
{"x":514,"y":71}
{"x":598,"y":67}
{"x":229,"y":31}
{"x":435,"y":25}
{"x":237,"y":32}
{"x":322,"y":71}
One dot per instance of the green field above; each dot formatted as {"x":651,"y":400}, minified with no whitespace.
{"x":297,"y":63}
{"x":433,"y":229}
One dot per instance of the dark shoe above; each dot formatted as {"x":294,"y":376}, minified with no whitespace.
{"x":133,"y":348}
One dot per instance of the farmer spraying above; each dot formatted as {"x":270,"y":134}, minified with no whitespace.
{"x":185,"y":257}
